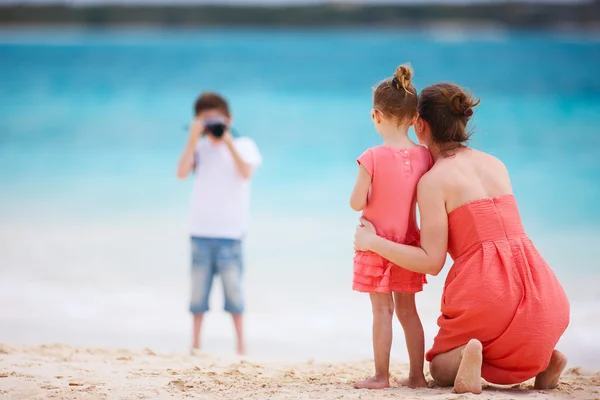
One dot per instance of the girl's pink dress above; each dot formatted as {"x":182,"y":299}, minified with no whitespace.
{"x":501,"y":292}
{"x":391,"y":207}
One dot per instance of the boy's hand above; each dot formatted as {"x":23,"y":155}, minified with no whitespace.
{"x":227,"y":138}
{"x":196,"y":129}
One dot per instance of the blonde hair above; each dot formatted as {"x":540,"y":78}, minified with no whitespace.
{"x":396,"y":96}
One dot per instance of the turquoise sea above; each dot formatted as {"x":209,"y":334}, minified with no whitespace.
{"x":93,"y":223}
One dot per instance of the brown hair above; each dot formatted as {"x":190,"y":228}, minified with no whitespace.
{"x":397,"y":96}
{"x":447,"y":109}
{"x":211,"y":101}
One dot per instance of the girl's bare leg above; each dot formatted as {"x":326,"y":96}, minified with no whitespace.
{"x":460,"y":367}
{"x":383,"y":311}
{"x":406,"y":311}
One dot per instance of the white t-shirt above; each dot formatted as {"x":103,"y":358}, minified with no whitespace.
{"x":221,"y":196}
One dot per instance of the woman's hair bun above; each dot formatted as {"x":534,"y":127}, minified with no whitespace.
{"x":402,"y":77}
{"x":462,"y":104}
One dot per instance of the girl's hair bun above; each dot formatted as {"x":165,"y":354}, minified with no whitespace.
{"x":402,"y":77}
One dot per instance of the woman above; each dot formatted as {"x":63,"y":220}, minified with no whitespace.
{"x":503,"y":310}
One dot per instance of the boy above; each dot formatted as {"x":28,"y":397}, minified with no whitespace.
{"x":223,"y":166}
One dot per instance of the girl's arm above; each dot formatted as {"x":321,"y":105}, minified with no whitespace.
{"x":431,"y":256}
{"x":358,"y":200}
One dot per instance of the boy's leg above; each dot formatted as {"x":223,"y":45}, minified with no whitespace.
{"x":201,"y":276}
{"x":406,"y":311}
{"x":230,"y":266}
{"x":197,"y":326}
{"x":383,"y":311}
{"x":238,"y":323}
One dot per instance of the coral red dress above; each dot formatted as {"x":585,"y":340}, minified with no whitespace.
{"x":501,"y":292}
{"x":391,"y":208}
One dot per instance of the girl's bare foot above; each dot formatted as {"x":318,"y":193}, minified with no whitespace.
{"x":413,"y":383}
{"x":549,"y":378}
{"x":373,"y":383}
{"x":468,"y":378}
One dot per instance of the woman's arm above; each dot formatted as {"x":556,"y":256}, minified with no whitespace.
{"x":358,"y":200}
{"x":431,"y":256}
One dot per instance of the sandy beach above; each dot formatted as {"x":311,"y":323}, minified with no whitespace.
{"x":66,"y":372}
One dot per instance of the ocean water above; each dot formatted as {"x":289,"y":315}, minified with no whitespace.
{"x":93,"y":223}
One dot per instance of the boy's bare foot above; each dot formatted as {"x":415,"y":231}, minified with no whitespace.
{"x":549,"y":378}
{"x":195,"y":351}
{"x":468,"y":377}
{"x":413,"y":383}
{"x":373,"y":383}
{"x":241,"y":349}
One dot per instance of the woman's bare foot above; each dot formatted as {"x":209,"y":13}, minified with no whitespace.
{"x":549,"y":378}
{"x":373,"y":383}
{"x":468,"y":377}
{"x":414,"y":382}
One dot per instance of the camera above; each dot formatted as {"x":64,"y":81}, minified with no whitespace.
{"x":216,"y":128}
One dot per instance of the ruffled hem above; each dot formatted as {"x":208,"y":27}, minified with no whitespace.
{"x":373,"y":273}
{"x":397,"y":288}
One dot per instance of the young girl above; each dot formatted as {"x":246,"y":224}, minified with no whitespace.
{"x":385,"y":191}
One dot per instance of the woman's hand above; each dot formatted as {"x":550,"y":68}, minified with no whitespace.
{"x":365,"y":233}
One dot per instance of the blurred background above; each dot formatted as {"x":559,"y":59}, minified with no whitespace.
{"x":94,"y":98}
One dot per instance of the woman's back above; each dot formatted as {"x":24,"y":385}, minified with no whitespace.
{"x":470,"y":175}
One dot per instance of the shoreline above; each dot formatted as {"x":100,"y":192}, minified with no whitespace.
{"x":439,"y":26}
{"x":68,"y":372}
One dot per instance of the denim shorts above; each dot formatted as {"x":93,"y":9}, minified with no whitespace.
{"x":211,"y":257}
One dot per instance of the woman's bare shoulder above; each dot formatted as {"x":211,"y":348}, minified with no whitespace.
{"x":442,"y":169}
{"x":489,"y":160}
{"x":434,"y":179}
{"x":463,"y":169}
{"x":485,"y":156}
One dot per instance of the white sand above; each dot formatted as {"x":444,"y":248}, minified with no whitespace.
{"x":66,"y":372}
